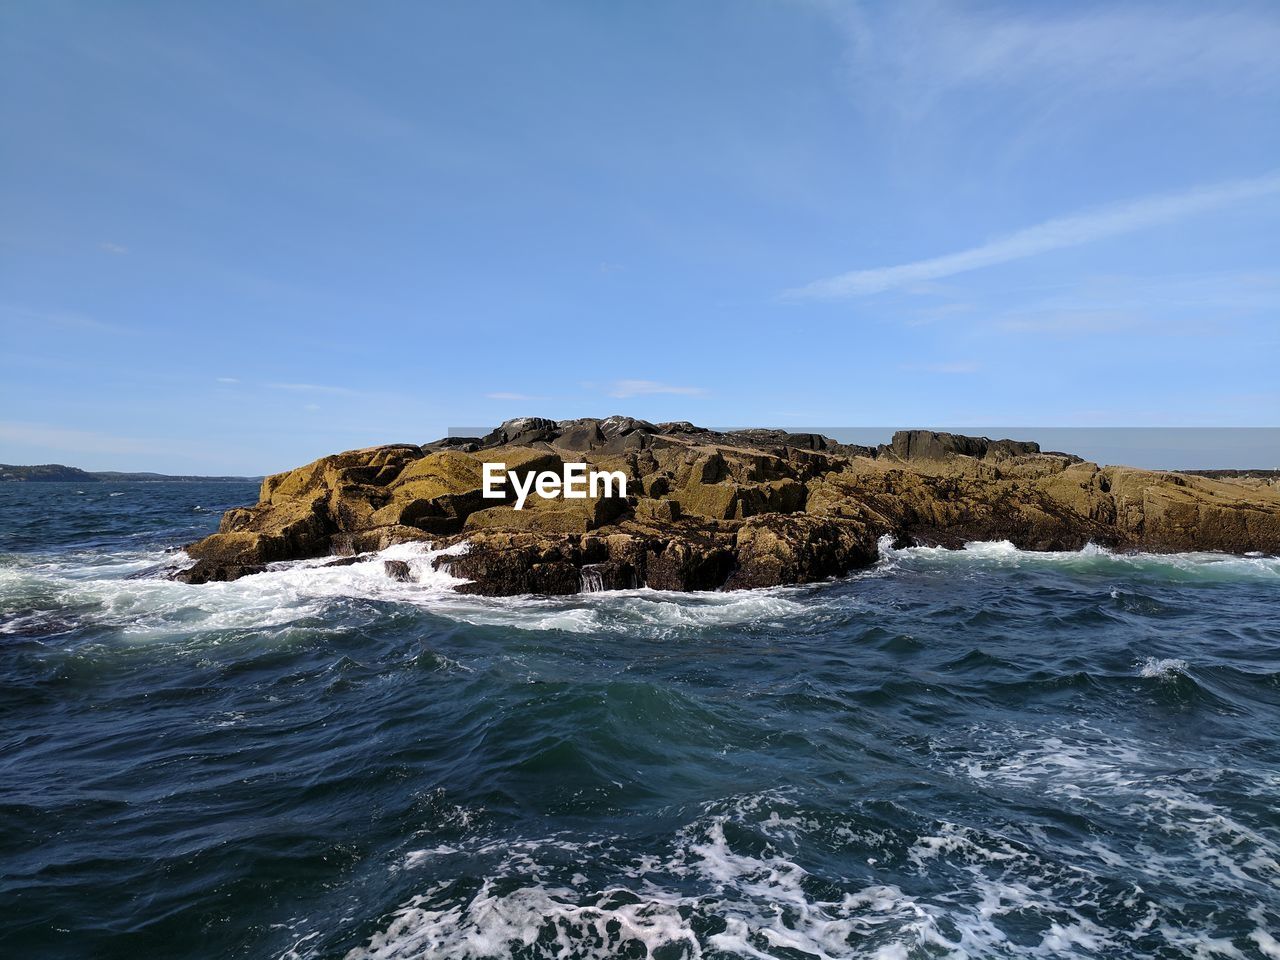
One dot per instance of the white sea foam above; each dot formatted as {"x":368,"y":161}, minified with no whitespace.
{"x":760,"y":900}
{"x":1263,"y":934}
{"x":143,"y":607}
{"x":1092,"y":558}
{"x":1165,"y":669}
{"x":1083,"y":765}
{"x":113,"y":591}
{"x":972,"y":885}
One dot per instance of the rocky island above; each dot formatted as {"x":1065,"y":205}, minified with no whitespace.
{"x":706,"y":510}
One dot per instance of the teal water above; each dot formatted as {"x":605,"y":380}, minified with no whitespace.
{"x":983,"y":753}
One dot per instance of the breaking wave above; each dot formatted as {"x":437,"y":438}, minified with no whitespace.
{"x":1093,"y":559}
{"x":729,"y":883}
{"x":130,"y":592}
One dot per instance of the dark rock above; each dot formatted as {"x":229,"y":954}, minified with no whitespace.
{"x":509,"y":567}
{"x":617,"y":426}
{"x":688,"y":564}
{"x":345,"y":561}
{"x":398,"y":570}
{"x":608,"y":575}
{"x":679,"y":427}
{"x":521,"y":431}
{"x":465,"y":444}
{"x":774,"y":549}
{"x":928,"y":445}
{"x":209,"y":571}
{"x":582,"y":436}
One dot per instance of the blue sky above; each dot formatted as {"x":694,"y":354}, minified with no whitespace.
{"x":238,"y":236}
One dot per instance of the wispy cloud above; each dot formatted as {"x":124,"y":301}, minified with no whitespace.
{"x":911,"y":56}
{"x":1207,"y":304}
{"x":1051,"y":235}
{"x":622,"y":389}
{"x":502,"y":395}
{"x":114,"y":248}
{"x":228,"y":380}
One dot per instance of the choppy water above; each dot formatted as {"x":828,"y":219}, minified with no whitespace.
{"x":983,"y":753}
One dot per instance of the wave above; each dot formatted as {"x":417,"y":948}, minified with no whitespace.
{"x":732,"y":883}
{"x":1090,"y":770}
{"x":979,"y":753}
{"x":1163,"y":669}
{"x":1199,"y":566}
{"x":758,"y":904}
{"x":127,"y":591}
{"x":115,"y":592}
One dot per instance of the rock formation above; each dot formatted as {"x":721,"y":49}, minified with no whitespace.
{"x":709,"y":510}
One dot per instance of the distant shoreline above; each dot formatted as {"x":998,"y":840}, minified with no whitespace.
{"x":60,"y":473}
{"x":1226,"y":474}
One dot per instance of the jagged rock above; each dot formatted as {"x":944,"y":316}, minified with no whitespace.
{"x":375,"y":538}
{"x":660,"y":511}
{"x":707,"y":510}
{"x":680,"y":426}
{"x":398,"y":570}
{"x":549,"y":516}
{"x":209,"y":571}
{"x":617,"y":426}
{"x":344,"y":561}
{"x":507,"y":564}
{"x":775,"y":549}
{"x":286,"y":530}
{"x":688,"y":563}
{"x":608,"y":575}
{"x":579,"y":436}
{"x":521,"y":431}
{"x":927,"y":445}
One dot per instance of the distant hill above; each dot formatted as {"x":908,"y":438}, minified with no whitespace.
{"x":57,"y":472}
{"x":46,"y":471}
{"x":1228,"y":474}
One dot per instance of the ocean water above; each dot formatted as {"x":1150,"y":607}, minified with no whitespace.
{"x":980,"y":753}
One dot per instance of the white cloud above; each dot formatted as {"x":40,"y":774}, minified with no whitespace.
{"x":623,"y":389}
{"x":511,"y":396}
{"x":227,"y":380}
{"x":1051,"y":235}
{"x":113,"y":248}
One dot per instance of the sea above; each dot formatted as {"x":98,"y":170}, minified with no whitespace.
{"x":971,"y":753}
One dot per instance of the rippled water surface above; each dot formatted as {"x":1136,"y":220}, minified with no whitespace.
{"x":982,"y":753}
